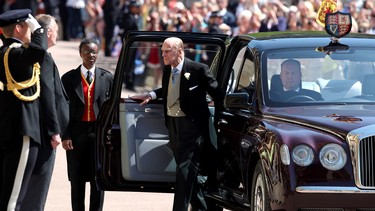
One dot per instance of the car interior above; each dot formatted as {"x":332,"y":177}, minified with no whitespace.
{"x":337,"y":77}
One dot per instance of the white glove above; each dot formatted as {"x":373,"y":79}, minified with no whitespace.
{"x":32,"y":23}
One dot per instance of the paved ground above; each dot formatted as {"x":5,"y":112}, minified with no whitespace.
{"x":67,"y":57}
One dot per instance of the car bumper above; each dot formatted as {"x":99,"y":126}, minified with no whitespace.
{"x":331,"y":198}
{"x":333,"y":189}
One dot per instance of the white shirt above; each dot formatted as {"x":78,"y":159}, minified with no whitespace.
{"x":84,"y":71}
{"x":179,"y":67}
{"x":296,"y":90}
{"x":77,"y":4}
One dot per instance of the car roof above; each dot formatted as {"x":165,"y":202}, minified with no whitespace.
{"x":264,"y":41}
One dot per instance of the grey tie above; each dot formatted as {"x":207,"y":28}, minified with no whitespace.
{"x":89,"y":77}
{"x":173,"y":88}
{"x":174,"y":75}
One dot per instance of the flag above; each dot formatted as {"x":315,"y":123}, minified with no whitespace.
{"x":327,"y":6}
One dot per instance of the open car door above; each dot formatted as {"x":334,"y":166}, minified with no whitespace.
{"x":132,"y":151}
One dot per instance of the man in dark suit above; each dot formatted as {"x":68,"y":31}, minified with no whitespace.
{"x":20,"y":136}
{"x":51,"y":6}
{"x":55,"y":117}
{"x":129,"y":21}
{"x":291,"y":76}
{"x":63,"y":14}
{"x":110,"y":13}
{"x":213,"y":28}
{"x":88,"y":87}
{"x":228,"y":17}
{"x":23,"y":4}
{"x":185,"y":84}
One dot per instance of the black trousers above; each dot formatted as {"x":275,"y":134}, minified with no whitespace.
{"x":36,"y":195}
{"x":81,"y":167}
{"x":186,"y":141}
{"x":78,"y":196}
{"x":17,"y":160}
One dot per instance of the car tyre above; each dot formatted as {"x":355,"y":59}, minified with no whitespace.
{"x":260,"y":200}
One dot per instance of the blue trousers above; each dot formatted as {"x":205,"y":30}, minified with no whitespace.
{"x":17,"y":160}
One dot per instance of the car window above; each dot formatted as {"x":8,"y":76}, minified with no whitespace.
{"x":236,"y":68}
{"x":247,"y":77}
{"x":345,"y":76}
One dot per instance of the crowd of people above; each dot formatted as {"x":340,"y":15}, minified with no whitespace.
{"x":108,"y":20}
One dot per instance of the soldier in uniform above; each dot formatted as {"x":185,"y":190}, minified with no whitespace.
{"x":19,"y":108}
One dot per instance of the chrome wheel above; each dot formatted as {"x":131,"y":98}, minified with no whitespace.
{"x":259,"y":196}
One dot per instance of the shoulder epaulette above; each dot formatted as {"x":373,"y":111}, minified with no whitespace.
{"x":14,"y":86}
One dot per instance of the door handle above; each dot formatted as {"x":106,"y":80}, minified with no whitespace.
{"x":153,"y":110}
{"x":222,"y":121}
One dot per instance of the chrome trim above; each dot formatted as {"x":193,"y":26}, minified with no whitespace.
{"x":353,"y":138}
{"x":332,"y":189}
{"x":327,"y":130}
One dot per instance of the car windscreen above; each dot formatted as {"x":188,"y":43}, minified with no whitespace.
{"x":309,"y":76}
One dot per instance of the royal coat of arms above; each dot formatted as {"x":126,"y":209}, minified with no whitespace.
{"x":338,"y":24}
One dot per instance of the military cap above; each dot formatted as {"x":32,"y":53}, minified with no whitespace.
{"x":14,"y":16}
{"x":134,"y":3}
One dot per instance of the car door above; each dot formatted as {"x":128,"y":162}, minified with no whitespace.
{"x":238,"y":77}
{"x":132,"y":151}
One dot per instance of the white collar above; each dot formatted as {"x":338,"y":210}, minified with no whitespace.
{"x":222,"y":12}
{"x":179,"y":66}
{"x":296,"y":90}
{"x":84,"y":70}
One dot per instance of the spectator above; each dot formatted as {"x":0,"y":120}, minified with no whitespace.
{"x":154,"y":59}
{"x":129,"y":17}
{"x":75,"y":27}
{"x":213,"y":28}
{"x":275,"y":19}
{"x":294,"y":22}
{"x":110,"y":14}
{"x":63,"y":13}
{"x":93,"y":21}
{"x":129,"y":21}
{"x":228,"y":17}
{"x":243,"y":22}
{"x":24,"y":4}
{"x":51,"y":7}
{"x":255,"y":22}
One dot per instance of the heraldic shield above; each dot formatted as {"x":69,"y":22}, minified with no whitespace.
{"x":338,"y":24}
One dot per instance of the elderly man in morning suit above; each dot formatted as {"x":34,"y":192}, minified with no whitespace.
{"x":185,"y":84}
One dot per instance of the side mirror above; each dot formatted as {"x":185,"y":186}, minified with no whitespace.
{"x":237,"y":101}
